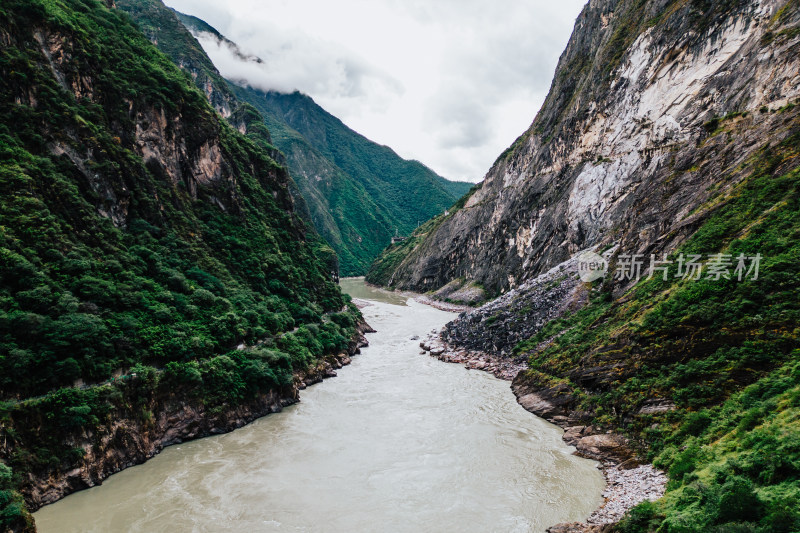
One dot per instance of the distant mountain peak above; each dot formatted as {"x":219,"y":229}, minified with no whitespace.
{"x":356,"y":191}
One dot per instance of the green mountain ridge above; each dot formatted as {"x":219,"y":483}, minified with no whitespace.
{"x":359,"y":193}
{"x":152,"y":255}
{"x":367,"y":192}
{"x":342,"y":209}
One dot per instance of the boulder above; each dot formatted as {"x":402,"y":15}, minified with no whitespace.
{"x":537,"y":405}
{"x":608,"y":446}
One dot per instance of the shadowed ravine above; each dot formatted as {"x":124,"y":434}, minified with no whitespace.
{"x":397,"y":442}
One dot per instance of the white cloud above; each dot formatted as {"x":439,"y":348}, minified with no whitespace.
{"x":336,"y":76}
{"x":451,"y":83}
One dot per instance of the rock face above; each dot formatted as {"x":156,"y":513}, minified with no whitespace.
{"x":501,"y":367}
{"x":356,"y":193}
{"x":461,"y":293}
{"x":604,"y":446}
{"x":187,"y":154}
{"x":519,"y":314}
{"x":623,"y":150}
{"x":165,"y":29}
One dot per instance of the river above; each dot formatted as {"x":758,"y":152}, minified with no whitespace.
{"x":398,"y":442}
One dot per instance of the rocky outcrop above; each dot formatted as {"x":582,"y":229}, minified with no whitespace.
{"x":187,"y":154}
{"x":127,"y":441}
{"x":501,"y":367}
{"x":499,"y":325}
{"x":624,"y":149}
{"x":461,"y":292}
{"x":162,"y":145}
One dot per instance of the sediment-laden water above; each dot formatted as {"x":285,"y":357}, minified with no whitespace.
{"x":398,"y":442}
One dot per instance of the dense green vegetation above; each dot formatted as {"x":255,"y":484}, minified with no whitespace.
{"x":115,"y":262}
{"x":356,"y":193}
{"x":411,"y":191}
{"x":12,"y":507}
{"x":341,"y":208}
{"x":360,"y":193}
{"x":727,"y":352}
{"x":161,"y":25}
{"x":386,"y":264}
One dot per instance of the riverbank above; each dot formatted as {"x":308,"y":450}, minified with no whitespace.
{"x":129,"y":439}
{"x":628,"y":481}
{"x":397,"y":441}
{"x":417,"y":297}
{"x":438,"y":304}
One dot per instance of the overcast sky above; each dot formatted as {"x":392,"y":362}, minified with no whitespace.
{"x":451,"y":83}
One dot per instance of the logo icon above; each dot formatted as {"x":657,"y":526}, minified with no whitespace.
{"x":591,"y":266}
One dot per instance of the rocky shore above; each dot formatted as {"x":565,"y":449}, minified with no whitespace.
{"x":421,"y":298}
{"x":501,"y":367}
{"x":628,"y":481}
{"x":127,"y":441}
{"x":438,"y":304}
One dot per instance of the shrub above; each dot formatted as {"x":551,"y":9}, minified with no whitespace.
{"x":640,"y":519}
{"x":738,"y":502}
{"x":203,"y":298}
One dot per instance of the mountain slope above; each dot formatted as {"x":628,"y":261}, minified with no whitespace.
{"x":613,"y":154}
{"x":413,"y":191}
{"x":671,"y":134}
{"x":328,"y":197}
{"x":152,"y":258}
{"x":359,"y":193}
{"x":162,"y":26}
{"x":343,"y":211}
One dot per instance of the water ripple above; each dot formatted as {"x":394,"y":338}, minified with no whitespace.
{"x":398,"y":442}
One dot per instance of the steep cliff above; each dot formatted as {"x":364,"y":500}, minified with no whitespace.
{"x":623,"y":149}
{"x":163,"y":27}
{"x":671,"y":137}
{"x":146,"y":246}
{"x":358,"y":194}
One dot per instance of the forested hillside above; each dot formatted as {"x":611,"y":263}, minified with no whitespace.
{"x":143,"y":239}
{"x":359,"y":193}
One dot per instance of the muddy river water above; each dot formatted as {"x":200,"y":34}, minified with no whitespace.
{"x":398,"y":442}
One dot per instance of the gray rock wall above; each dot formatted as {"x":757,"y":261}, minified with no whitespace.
{"x":623,"y":150}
